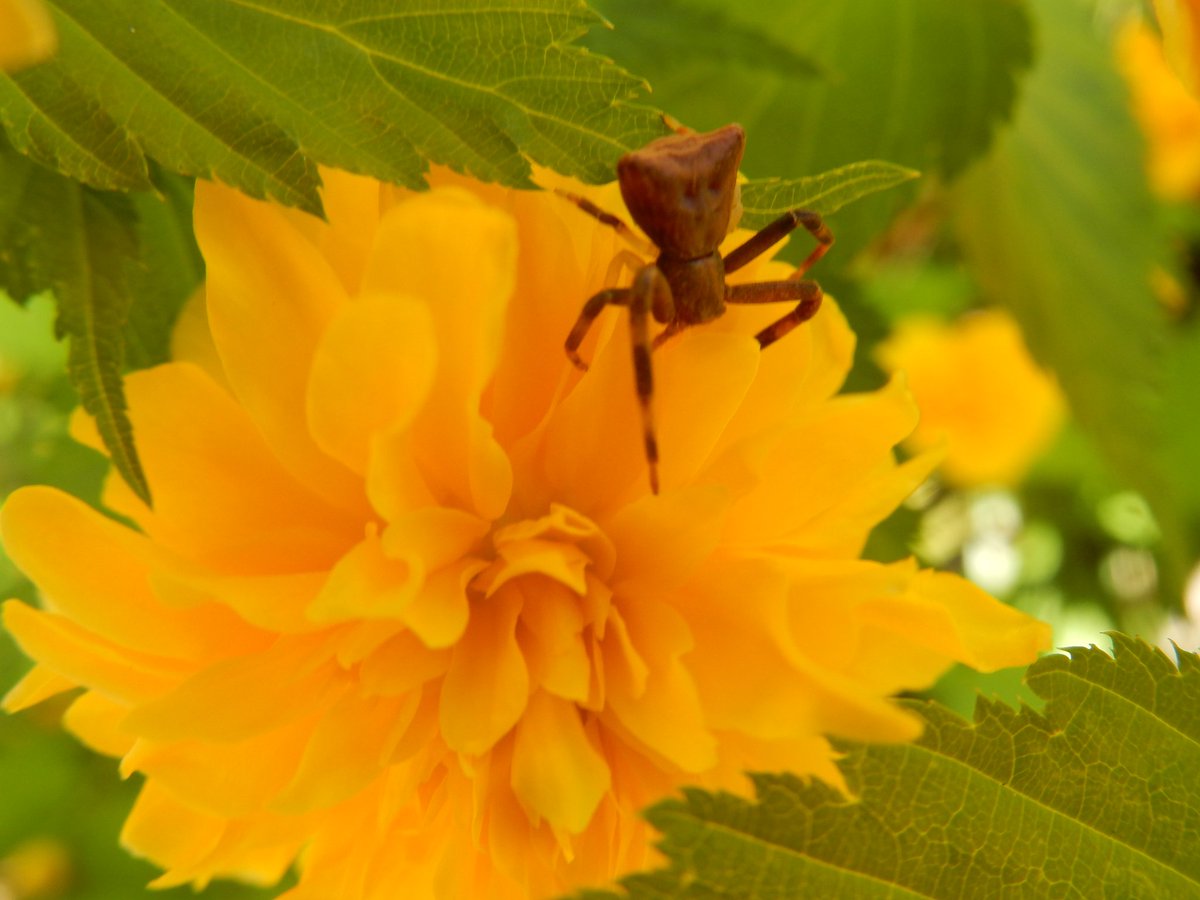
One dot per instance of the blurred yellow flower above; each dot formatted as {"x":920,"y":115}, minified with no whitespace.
{"x":1169,"y":115}
{"x":27,"y":33}
{"x":38,"y":867}
{"x":404,"y":609}
{"x":980,"y":393}
{"x":1180,"y":24}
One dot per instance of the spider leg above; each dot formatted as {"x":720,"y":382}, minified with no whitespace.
{"x":591,"y":309}
{"x":774,"y":232}
{"x":616,"y":223}
{"x":673,"y":328}
{"x":624,"y":259}
{"x":807,"y":292}
{"x":650,"y":291}
{"x":675,"y":125}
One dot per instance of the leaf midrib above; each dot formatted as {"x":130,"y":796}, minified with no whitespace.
{"x":746,"y":837}
{"x":150,"y":87}
{"x":436,"y":76}
{"x":116,"y":175}
{"x":1054,"y":811}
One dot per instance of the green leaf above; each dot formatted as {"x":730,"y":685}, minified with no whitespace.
{"x":77,"y":242}
{"x":25,"y":259}
{"x":1095,"y":797}
{"x":167,"y":272}
{"x":257,"y":95}
{"x":682,"y":30}
{"x":1058,"y":224}
{"x":93,"y":303}
{"x":764,"y":199}
{"x":922,"y":84}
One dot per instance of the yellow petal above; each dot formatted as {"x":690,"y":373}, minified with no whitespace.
{"x":257,"y":853}
{"x":366,"y":584}
{"x":487,"y":686}
{"x":801,"y":371}
{"x":270,"y":298}
{"x":396,"y":482}
{"x":833,"y":346}
{"x":414,"y":256}
{"x":96,"y":720}
{"x":356,"y":642}
{"x":74,"y":653}
{"x":402,"y":664}
{"x":161,"y":828}
{"x":860,"y":620}
{"x":228,"y":778}
{"x":752,"y":677}
{"x":198,"y":847}
{"x":562,"y":525}
{"x":666,"y":714}
{"x":418,"y":744}
{"x":661,"y":540}
{"x":275,"y":603}
{"x":949,"y":615}
{"x":242,"y":696}
{"x":352,"y":207}
{"x":564,"y":563}
{"x":741,"y":753}
{"x":370,"y":374}
{"x":591,"y":453}
{"x":701,"y":379}
{"x":624,"y":668}
{"x":557,"y":773}
{"x":220,"y":494}
{"x":191,"y":338}
{"x":107,"y":588}
{"x":550,"y":632}
{"x":820,"y":621}
{"x":435,"y":536}
{"x":818,"y":462}
{"x":532,"y":362}
{"x":506,"y":827}
{"x":38,"y":684}
{"x":841,"y":531}
{"x":347,"y":751}
{"x":438,"y":614}
{"x":27,"y":33}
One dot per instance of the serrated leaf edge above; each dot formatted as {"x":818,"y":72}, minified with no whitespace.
{"x":857,"y":179}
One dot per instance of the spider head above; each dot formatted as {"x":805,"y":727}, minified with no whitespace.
{"x":682,"y":189}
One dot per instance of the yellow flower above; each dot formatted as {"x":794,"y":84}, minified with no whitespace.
{"x":27,"y":33}
{"x":1168,"y":114}
{"x":982,"y":397}
{"x":38,"y":867}
{"x":404,"y":609}
{"x":1180,"y":23}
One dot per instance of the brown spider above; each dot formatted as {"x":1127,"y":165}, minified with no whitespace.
{"x":682,"y":191}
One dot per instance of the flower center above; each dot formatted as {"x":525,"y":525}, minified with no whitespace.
{"x":554,"y":569}
{"x":560,"y":545}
